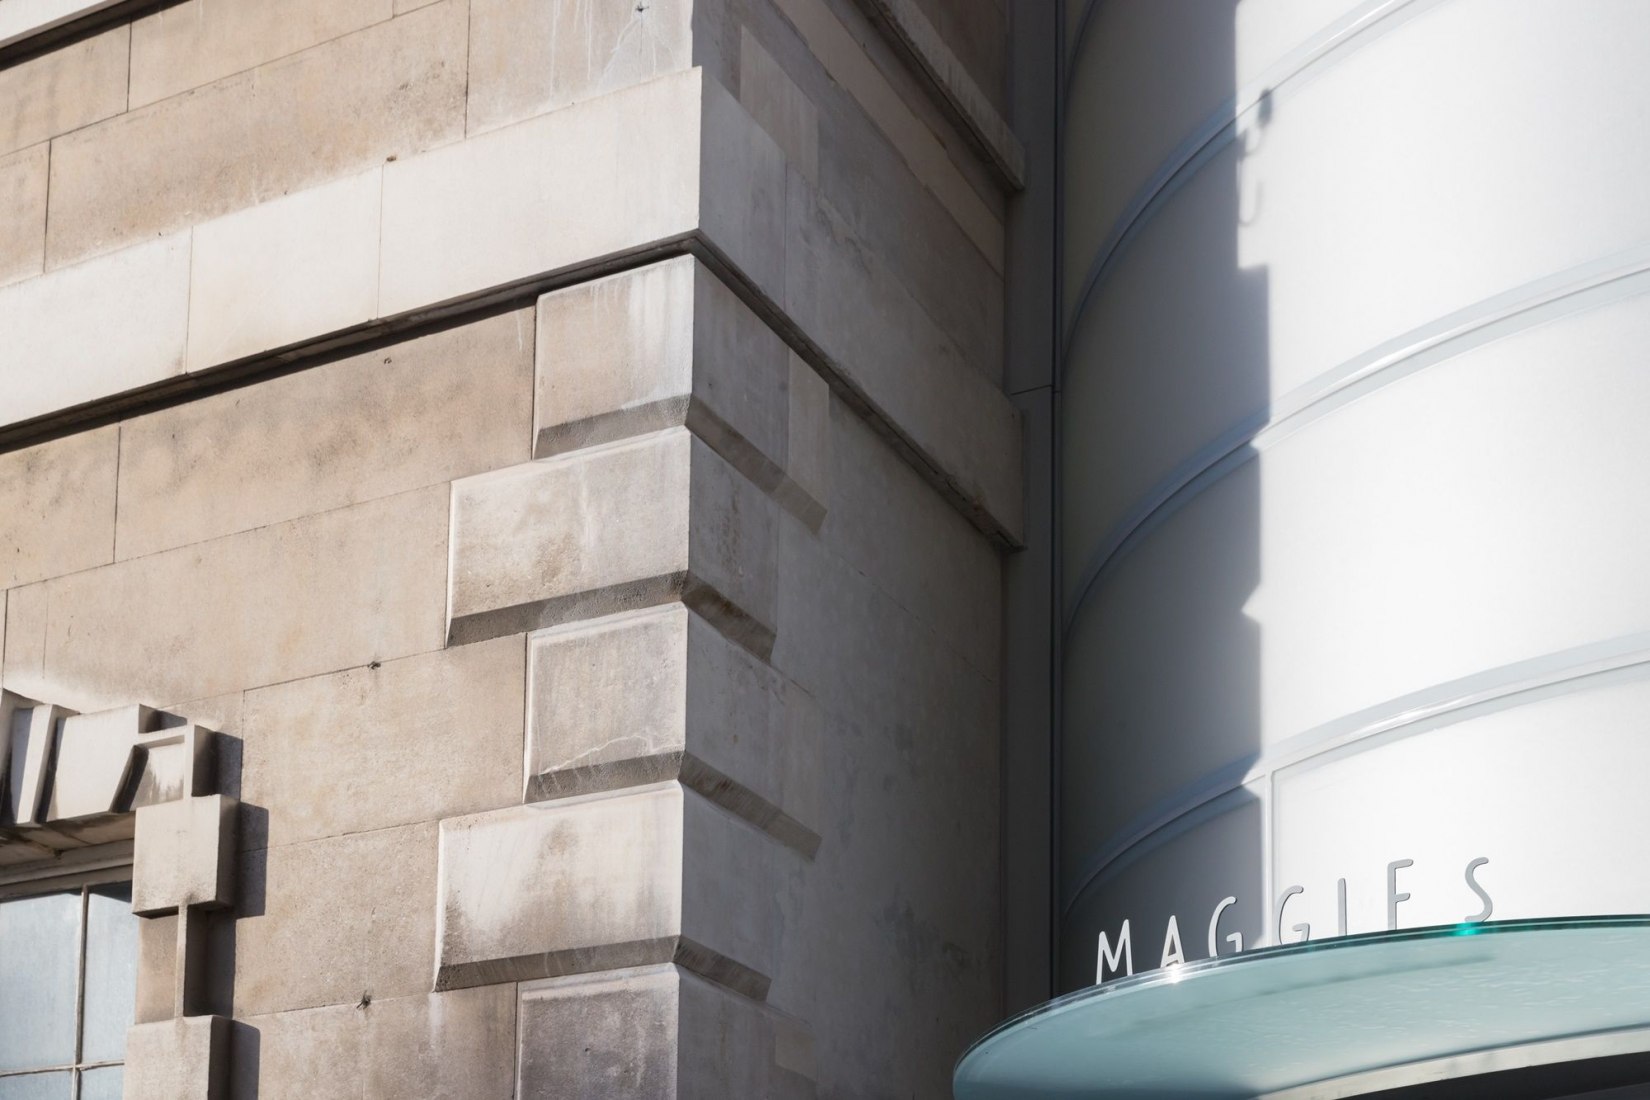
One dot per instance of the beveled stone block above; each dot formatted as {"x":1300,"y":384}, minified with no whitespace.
{"x":528,"y":56}
{"x":660,"y":694}
{"x":654,"y":874}
{"x":284,"y":271}
{"x":186,"y":1058}
{"x":657,"y":1031}
{"x":659,"y":346}
{"x":184,"y":855}
{"x":632,"y":524}
{"x":109,"y":325}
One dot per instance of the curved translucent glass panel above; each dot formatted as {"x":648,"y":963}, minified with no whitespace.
{"x":1267,"y":1022}
{"x":1352,"y":519}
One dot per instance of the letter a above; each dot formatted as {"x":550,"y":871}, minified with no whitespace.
{"x":1173,"y":953}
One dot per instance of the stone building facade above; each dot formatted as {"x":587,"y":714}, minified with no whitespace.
{"x":503,"y":515}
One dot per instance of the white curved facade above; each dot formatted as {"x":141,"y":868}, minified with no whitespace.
{"x":1355,"y":430}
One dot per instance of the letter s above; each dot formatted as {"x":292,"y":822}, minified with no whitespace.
{"x":1483,"y":896}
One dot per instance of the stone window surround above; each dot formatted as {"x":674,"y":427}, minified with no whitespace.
{"x":129,"y":794}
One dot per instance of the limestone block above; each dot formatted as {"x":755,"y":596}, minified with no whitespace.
{"x":655,"y":347}
{"x":182,"y":1059}
{"x":109,"y":325}
{"x":891,"y":527}
{"x":119,"y":760}
{"x":327,"y":592}
{"x":806,"y":488}
{"x":57,"y":506}
{"x":742,"y":189}
{"x":888,"y":353}
{"x":194,"y":43}
{"x":631,"y":524}
{"x":23,"y":197}
{"x":184,"y":855}
{"x":413,"y":740}
{"x":660,"y":694}
{"x":445,"y":405}
{"x":444,"y":1046}
{"x":284,"y":271}
{"x":532,"y":56}
{"x":653,"y":874}
{"x":656,"y":1031}
{"x":387,"y":91}
{"x":778,"y":105}
{"x":63,"y":89}
{"x":543,"y":194}
{"x":324,"y":921}
{"x":157,"y":960}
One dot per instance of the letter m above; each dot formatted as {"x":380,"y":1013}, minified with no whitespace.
{"x":1110,"y":959}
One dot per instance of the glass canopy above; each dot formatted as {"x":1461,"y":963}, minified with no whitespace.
{"x":1281,"y":1018}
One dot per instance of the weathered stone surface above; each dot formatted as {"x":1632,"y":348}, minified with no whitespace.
{"x":885,"y":347}
{"x":543,"y":194}
{"x":413,"y":740}
{"x":895,"y":530}
{"x":63,"y":89}
{"x":102,"y":327}
{"x":284,"y":271}
{"x":660,"y":694}
{"x":445,"y":405}
{"x":443,"y":1046}
{"x":659,"y":346}
{"x":23,"y":197}
{"x":182,"y":1059}
{"x":194,"y":43}
{"x":778,"y":105}
{"x":325,"y":921}
{"x":742,"y":189}
{"x":806,"y":488}
{"x":624,"y":525}
{"x":157,"y":962}
{"x":656,"y":1031}
{"x":653,"y":874}
{"x":296,"y":599}
{"x":57,"y":506}
{"x":184,"y":855}
{"x":387,"y":91}
{"x":532,"y":56}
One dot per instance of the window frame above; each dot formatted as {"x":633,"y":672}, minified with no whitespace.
{"x":109,"y":864}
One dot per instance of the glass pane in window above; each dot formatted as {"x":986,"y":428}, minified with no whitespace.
{"x":111,"y":973}
{"x":39,"y":953}
{"x":35,"y":1086}
{"x":100,"y":1084}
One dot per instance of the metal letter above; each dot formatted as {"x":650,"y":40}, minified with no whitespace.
{"x":1108,"y":957}
{"x":1393,"y":897}
{"x":1489,"y":906}
{"x":1277,"y":933}
{"x":1340,"y":902}
{"x":1233,"y":938}
{"x":1171,"y":938}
